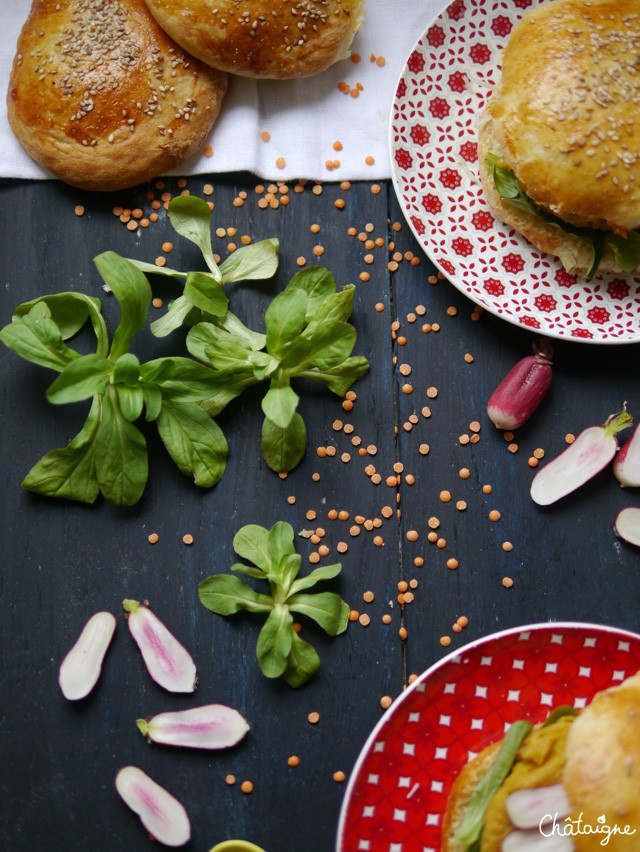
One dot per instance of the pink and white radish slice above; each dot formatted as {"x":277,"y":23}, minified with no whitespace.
{"x":626,"y":467}
{"x":167,"y":661}
{"x":534,"y":841}
{"x":627,"y":525}
{"x":81,"y":668}
{"x":161,"y":814}
{"x":212,"y":726}
{"x":592,"y":450}
{"x":530,"y":810}
{"x":522,"y":390}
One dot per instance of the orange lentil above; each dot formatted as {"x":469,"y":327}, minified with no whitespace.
{"x":407,"y":388}
{"x":532,"y":462}
{"x":452,"y":564}
{"x":474,"y":426}
{"x":569,"y":438}
{"x":364,"y":620}
{"x":433,"y":523}
{"x":487,"y":489}
{"x":368,"y":258}
{"x":402,"y":340}
{"x":355,"y":57}
{"x":354,"y":615}
{"x":386,"y":511}
{"x":157,"y":302}
{"x":320,"y":531}
{"x":445,"y":641}
{"x":513,"y":448}
{"x":410,"y":479}
{"x":339,"y":203}
{"x":368,"y":597}
{"x":291,"y":500}
{"x":508,"y":436}
{"x":418,"y":561}
{"x":323,"y":550}
{"x":378,"y":540}
{"x":402,"y":586}
{"x":79,"y":210}
{"x":507,"y":582}
{"x":432,"y":537}
{"x":456,"y":628}
{"x":463,"y":621}
{"x":507,"y":546}
{"x":376,"y":479}
{"x":132,"y":225}
{"x":293,"y":760}
{"x":391,"y":481}
{"x":342,"y":547}
{"x":321,"y":452}
{"x":432,"y":392}
{"x":464,"y":473}
{"x":355,"y":93}
{"x":354,"y":531}
{"x":445,"y":496}
{"x":247,"y":787}
{"x":412,"y":535}
{"x":494,"y":515}
{"x":315,"y":477}
{"x":423,"y":449}
{"x":348,"y":428}
{"x":468,"y":358}
{"x":386,"y":701}
{"x":364,"y":276}
{"x":379,"y":306}
{"x":343,"y":515}
{"x":380,"y":61}
{"x":368,"y":524}
{"x":461,"y":505}
{"x":301,"y":261}
{"x":375,"y":189}
{"x":160,"y":261}
{"x":452,"y":311}
{"x":402,"y":633}
{"x":313,"y":717}
{"x":464,"y":439}
{"x":311,"y":515}
{"x":369,"y":160}
{"x":386,"y":618}
{"x":345,"y":457}
{"x":153,"y":538}
{"x":230,"y":779}
{"x":538,"y":453}
{"x":339,"y":776}
{"x":372,"y":449}
{"x":404,"y":369}
{"x":187,"y":538}
{"x":347,"y":405}
{"x":337,"y":145}
{"x":314,"y":557}
{"x":441,"y":543}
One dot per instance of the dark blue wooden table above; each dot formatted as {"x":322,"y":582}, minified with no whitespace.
{"x":61,"y":561}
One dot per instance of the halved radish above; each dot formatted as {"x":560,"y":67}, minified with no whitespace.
{"x":626,"y":467}
{"x":627,"y":525}
{"x":81,"y":668}
{"x":592,"y":450}
{"x":210,"y":726}
{"x":161,"y":814}
{"x":529,"y":808}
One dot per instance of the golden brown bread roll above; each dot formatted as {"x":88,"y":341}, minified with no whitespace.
{"x":602,"y":772}
{"x":565,"y":119}
{"x":278,"y":39}
{"x":103,"y":98}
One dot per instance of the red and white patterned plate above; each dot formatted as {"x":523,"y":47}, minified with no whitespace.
{"x":444,"y":86}
{"x":399,"y":787}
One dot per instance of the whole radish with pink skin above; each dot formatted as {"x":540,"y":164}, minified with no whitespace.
{"x":592,"y":450}
{"x":522,"y":390}
{"x":626,"y":467}
{"x":167,"y":661}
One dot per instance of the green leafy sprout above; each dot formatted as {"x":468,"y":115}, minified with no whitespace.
{"x":272,"y":556}
{"x":625,"y":249}
{"x":307,"y":337}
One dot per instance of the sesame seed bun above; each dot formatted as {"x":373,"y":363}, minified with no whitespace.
{"x":565,"y":118}
{"x":103,"y":98}
{"x":277,"y":39}
{"x":602,"y":772}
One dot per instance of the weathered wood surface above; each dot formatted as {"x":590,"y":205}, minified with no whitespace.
{"x":61,"y":562}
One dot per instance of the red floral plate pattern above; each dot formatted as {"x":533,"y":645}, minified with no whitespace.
{"x":399,"y":787}
{"x":444,"y":86}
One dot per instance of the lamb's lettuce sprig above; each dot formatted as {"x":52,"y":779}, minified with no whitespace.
{"x":307,"y":337}
{"x":109,"y":454}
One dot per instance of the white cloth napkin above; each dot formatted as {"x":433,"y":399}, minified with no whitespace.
{"x":303,"y":117}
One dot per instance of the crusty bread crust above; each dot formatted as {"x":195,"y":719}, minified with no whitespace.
{"x":470,"y":776}
{"x":103,"y":98}
{"x":278,"y":39}
{"x":574,"y":252}
{"x":602,"y":772}
{"x":566,"y":111}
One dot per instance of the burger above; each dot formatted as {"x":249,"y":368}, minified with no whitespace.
{"x":559,"y":140}
{"x":570,"y":783}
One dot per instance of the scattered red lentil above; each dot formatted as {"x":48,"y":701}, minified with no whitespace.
{"x":230,"y":780}
{"x":293,"y":760}
{"x":281,"y":163}
{"x":452,"y":564}
{"x":187,"y":538}
{"x":507,"y":546}
{"x":153,"y":538}
{"x":79,"y":210}
{"x":445,"y":641}
{"x":569,"y":438}
{"x":487,"y":489}
{"x":386,"y":618}
{"x":494,"y":515}
{"x":313,"y":717}
{"x":445,"y":496}
{"x":247,"y":787}
{"x":507,"y":582}
{"x":386,"y":701}
{"x":339,"y":776}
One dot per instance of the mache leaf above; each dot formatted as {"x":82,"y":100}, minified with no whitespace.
{"x":274,"y":642}
{"x":121,"y":455}
{"x":194,"y":441}
{"x":325,"y":608}
{"x":302,"y":663}
{"x":191,"y":218}
{"x":283,"y":448}
{"x":225,"y":594}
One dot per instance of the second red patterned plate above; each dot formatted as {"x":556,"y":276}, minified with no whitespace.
{"x":398,"y":790}
{"x":445,"y":84}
